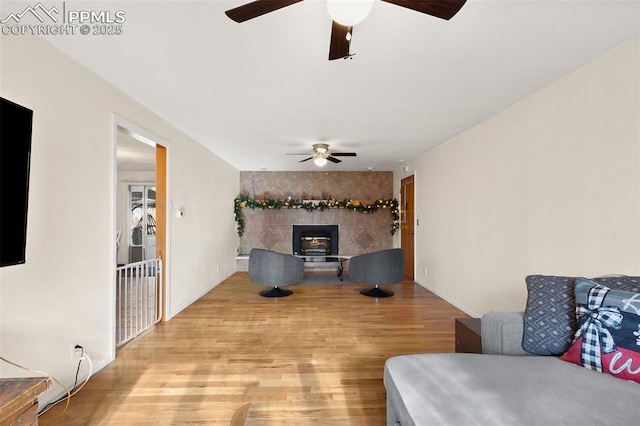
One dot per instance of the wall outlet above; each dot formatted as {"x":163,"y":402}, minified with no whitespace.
{"x":76,"y":351}
{"x":425,"y":271}
{"x":218,"y":269}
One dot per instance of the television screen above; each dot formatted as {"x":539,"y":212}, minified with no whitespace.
{"x":15,"y":156}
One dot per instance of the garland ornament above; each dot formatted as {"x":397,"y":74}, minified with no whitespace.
{"x":242,"y":202}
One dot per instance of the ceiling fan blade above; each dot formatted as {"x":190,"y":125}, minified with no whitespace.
{"x":444,"y":9}
{"x":306,"y":159}
{"x":333,"y":160}
{"x":340,"y":41}
{"x":344,"y":154}
{"x":257,"y":8}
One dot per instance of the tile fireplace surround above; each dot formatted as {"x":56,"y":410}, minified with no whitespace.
{"x":358,"y":232}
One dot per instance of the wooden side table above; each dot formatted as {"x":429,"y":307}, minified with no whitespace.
{"x":468,"y":335}
{"x":19,"y":399}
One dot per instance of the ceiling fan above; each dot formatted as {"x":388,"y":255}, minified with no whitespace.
{"x":321,"y":154}
{"x":346,"y":14}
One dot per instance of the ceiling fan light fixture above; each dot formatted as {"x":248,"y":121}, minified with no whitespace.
{"x":320,"y":161}
{"x":349,"y":12}
{"x":320,"y":148}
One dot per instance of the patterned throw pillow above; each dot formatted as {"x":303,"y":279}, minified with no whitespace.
{"x":549,"y":317}
{"x":622,"y":282}
{"x":608,"y":336}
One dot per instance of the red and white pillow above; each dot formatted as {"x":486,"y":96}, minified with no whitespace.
{"x":608,"y":336}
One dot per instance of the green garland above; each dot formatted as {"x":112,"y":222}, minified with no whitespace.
{"x":309,"y":206}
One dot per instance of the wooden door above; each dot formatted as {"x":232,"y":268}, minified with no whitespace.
{"x":407,"y":230}
{"x":161,"y":218}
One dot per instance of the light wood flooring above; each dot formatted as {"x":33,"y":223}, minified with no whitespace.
{"x":315,"y":357}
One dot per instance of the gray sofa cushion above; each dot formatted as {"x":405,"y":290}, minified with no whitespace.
{"x":549,"y":317}
{"x":502,"y":333}
{"x":471,"y":389}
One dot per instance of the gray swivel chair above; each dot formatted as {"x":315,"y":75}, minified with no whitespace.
{"x":274,"y":269}
{"x":379,"y":268}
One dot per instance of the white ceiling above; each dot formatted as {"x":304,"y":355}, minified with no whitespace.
{"x":134,"y":155}
{"x":253,"y":92}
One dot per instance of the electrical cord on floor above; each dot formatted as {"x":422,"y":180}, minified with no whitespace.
{"x":75,"y":389}
{"x":68,"y":397}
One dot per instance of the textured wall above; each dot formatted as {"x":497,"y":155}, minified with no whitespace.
{"x":359,"y":232}
{"x":339,"y":185}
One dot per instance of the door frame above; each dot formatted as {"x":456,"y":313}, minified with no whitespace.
{"x":402,"y":215}
{"x":144,"y":137}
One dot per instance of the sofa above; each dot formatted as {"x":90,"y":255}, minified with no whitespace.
{"x":550,"y":382}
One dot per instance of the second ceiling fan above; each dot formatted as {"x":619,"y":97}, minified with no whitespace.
{"x":321,"y":154}
{"x":342,"y":27}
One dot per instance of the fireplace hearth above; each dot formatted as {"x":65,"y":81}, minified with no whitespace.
{"x":315,"y":240}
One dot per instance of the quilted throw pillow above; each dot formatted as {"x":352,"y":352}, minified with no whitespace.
{"x":549,"y":317}
{"x":608,"y":336}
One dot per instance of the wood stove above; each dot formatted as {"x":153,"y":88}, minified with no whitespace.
{"x":315,"y":240}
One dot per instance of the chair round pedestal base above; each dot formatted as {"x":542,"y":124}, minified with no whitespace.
{"x":276,"y":292}
{"x":377,"y":292}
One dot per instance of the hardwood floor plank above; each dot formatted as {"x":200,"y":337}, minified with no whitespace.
{"x":233,"y":357}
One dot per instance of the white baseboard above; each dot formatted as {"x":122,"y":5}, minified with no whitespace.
{"x":463,"y":308}
{"x":197,"y":296}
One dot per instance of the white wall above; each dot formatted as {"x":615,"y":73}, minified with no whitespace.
{"x":550,"y":185}
{"x":205,"y":237}
{"x":65,"y":291}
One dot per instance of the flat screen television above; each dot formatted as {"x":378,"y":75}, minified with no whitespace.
{"x":15,"y":159}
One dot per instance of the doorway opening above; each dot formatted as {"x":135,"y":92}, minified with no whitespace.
{"x":142,"y":222}
{"x":140,"y":218}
